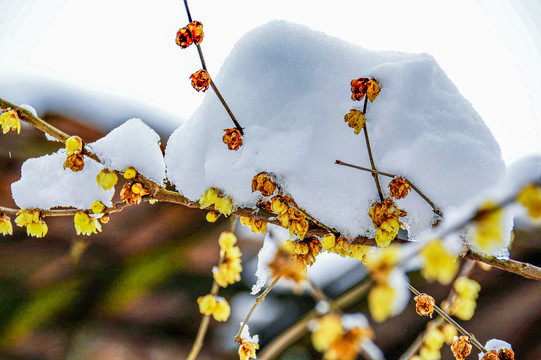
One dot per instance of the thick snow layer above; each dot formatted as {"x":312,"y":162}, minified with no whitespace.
{"x":45,"y":184}
{"x":289,"y":87}
{"x":132,"y":144}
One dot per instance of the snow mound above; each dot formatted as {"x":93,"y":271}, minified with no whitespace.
{"x":132,"y":144}
{"x":289,"y":87}
{"x":45,"y":184}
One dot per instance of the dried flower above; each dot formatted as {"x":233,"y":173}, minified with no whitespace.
{"x":461,"y":347}
{"x":193,"y":32}
{"x":9,"y":120}
{"x":305,"y":252}
{"x":506,"y":354}
{"x":347,"y":346}
{"x":74,"y":145}
{"x":104,"y":219}
{"x":372,"y":89}
{"x":356,"y":120}
{"x":133,"y":193}
{"x":399,"y":188}
{"x":358,"y":88}
{"x":200,"y":80}
{"x":530,"y":198}
{"x":212,"y":216}
{"x":196,"y":30}
{"x":491,"y":355}
{"x":263,"y":183}
{"x":74,"y":162}
{"x":258,"y":227}
{"x":232,"y":138}
{"x":106,"y":179}
{"x":85,"y":224}
{"x":385,"y":216}
{"x":97,"y":207}
{"x":130,"y":173}
{"x":425,"y":304}
{"x":439,"y":264}
{"x":5,"y":225}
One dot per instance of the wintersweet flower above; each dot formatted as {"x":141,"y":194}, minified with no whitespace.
{"x":424,"y":304}
{"x":196,"y":30}
{"x":74,"y":145}
{"x":356,"y":120}
{"x":328,"y":241}
{"x":5,"y":225}
{"x":258,"y":227}
{"x":488,"y":234}
{"x":464,"y":304}
{"x":97,"y":207}
{"x":439,"y":263}
{"x":85,"y":224}
{"x":299,"y":228}
{"x":26,"y":217}
{"x":463,"y":308}
{"x":399,"y":188}
{"x":285,"y":266}
{"x":449,"y":331}
{"x":263,"y":183}
{"x":305,"y":252}
{"x":343,"y":248}
{"x":328,"y":329}
{"x":226,"y":240}
{"x":385,"y":216}
{"x":461,"y":347}
{"x":208,"y":198}
{"x":211,"y":216}
{"x":9,"y":120}
{"x":200,"y":80}
{"x":380,"y":302}
{"x":216,"y":306}
{"x":75,"y":162}
{"x":433,"y":339}
{"x":224,"y":204}
{"x":278,"y":205}
{"x":232,"y":138}
{"x":358,"y":88}
{"x":386,"y":232}
{"x":247,"y":350}
{"x":372,"y":89}
{"x":380,"y":263}
{"x":38,"y":229}
{"x":207,"y":304}
{"x":467,"y":288}
{"x":228,"y":272}
{"x":130,"y":173}
{"x":347,"y":346}
{"x":106,"y":179}
{"x":530,"y":198}
{"x":193,"y":32}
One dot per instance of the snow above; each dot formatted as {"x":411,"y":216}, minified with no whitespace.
{"x":132,"y":144}
{"x":496,"y":345}
{"x":245,"y":335}
{"x":289,"y":88}
{"x":45,"y":184}
{"x":264,"y":257}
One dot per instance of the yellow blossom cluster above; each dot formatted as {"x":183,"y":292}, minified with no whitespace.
{"x":35,"y":226}
{"x":5,"y":225}
{"x":216,"y":306}
{"x":356,"y":120}
{"x":228,"y":272}
{"x":9,"y":120}
{"x":337,"y":343}
{"x":74,"y":152}
{"x":133,"y":193}
{"x":344,"y":248}
{"x":290,"y":218}
{"x":439,"y":263}
{"x":381,"y":298}
{"x":433,"y":341}
{"x":258,"y":227}
{"x":385,"y":216}
{"x":222,"y":203}
{"x":304,"y":251}
{"x":530,"y":198}
{"x":106,"y":179}
{"x":488,"y":234}
{"x":264,"y":183}
{"x":85,"y":224}
{"x":464,"y":303}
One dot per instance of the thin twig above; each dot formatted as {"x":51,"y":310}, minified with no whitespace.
{"x":450,"y":320}
{"x":117,"y":207}
{"x":375,"y":175}
{"x":415,"y":188}
{"x":258,"y":301}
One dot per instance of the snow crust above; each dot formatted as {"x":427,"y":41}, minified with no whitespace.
{"x":132,"y":144}
{"x":289,"y":87}
{"x":45,"y":184}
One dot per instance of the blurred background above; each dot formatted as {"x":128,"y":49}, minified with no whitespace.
{"x":89,"y":66}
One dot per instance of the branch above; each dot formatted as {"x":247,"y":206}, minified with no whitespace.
{"x":526,"y":270}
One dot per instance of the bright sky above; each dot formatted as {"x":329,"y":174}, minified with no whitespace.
{"x":488,"y":48}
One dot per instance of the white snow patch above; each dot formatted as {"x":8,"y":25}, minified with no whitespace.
{"x":45,"y":184}
{"x":496,"y":345}
{"x":29,"y":108}
{"x":264,"y":257}
{"x":289,"y":87}
{"x":245,"y":335}
{"x":132,"y":144}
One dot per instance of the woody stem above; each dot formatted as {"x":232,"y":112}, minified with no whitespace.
{"x":372,"y":164}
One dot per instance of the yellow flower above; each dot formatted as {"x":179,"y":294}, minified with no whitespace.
{"x":464,"y":304}
{"x":328,"y":241}
{"x":278,"y":206}
{"x":85,"y":224}
{"x":488,"y":234}
{"x":211,"y":216}
{"x":284,"y":265}
{"x":372,"y":89}
{"x":106,"y":179}
{"x":380,"y":263}
{"x":434,"y":339}
{"x":247,"y":350}
{"x":358,"y":252}
{"x":207,"y":304}
{"x":426,"y":353}
{"x":97,"y":207}
{"x":439,"y":263}
{"x":299,"y":228}
{"x":224,"y":205}
{"x":226,"y":240}
{"x":530,"y":198}
{"x":130,"y":173}
{"x":5,"y":225}
{"x":463,"y":308}
{"x":263,"y":183}
{"x":222,"y":310}
{"x":9,"y":120}
{"x":208,"y":198}
{"x":26,"y":217}
{"x":328,"y":330}
{"x":74,"y":145}
{"x":449,"y":331}
{"x":228,"y":272}
{"x":387,"y":232}
{"x":38,"y":229}
{"x":347,"y":346}
{"x":356,"y":120}
{"x":467,"y":288}
{"x":380,"y":302}
{"x":258,"y":227}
